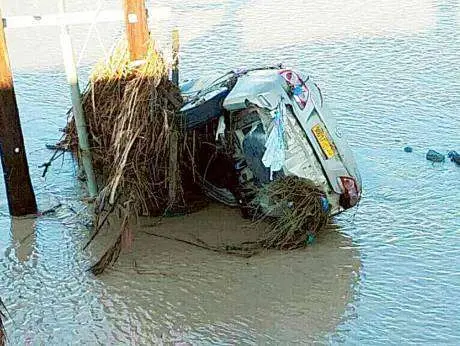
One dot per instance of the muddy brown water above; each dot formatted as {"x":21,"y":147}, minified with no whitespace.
{"x":388,"y":274}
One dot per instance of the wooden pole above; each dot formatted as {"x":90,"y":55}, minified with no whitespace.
{"x":175,"y":56}
{"x":79,"y":116}
{"x":173,"y":168}
{"x":137,"y":31}
{"x":19,"y":190}
{"x":174,"y":140}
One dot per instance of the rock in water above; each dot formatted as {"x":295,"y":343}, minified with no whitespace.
{"x":434,"y":156}
{"x":454,"y":157}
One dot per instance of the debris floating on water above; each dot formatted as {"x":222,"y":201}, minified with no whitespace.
{"x":131,"y":113}
{"x":434,"y":156}
{"x":454,"y":157}
{"x":133,"y":122}
{"x":303,"y":212}
{"x":408,"y":149}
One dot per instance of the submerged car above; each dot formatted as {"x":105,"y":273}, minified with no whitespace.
{"x":251,"y":126}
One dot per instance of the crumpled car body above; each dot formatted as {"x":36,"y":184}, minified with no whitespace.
{"x":253,"y":126}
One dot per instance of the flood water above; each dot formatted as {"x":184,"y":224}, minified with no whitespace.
{"x":389,"y":272}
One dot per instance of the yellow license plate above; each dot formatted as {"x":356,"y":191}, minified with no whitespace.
{"x":323,"y":140}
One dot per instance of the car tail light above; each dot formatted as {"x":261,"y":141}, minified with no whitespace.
{"x":351,"y":194}
{"x":299,"y":90}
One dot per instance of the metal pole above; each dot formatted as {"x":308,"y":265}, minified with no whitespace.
{"x":79,"y":116}
{"x":137,"y":31}
{"x":19,"y":190}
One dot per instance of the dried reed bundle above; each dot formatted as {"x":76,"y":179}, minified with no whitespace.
{"x":302,"y":214}
{"x":131,"y":113}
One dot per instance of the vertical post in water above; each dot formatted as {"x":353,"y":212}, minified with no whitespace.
{"x":19,"y":190}
{"x":175,"y":56}
{"x":79,"y":116}
{"x":173,"y":169}
{"x":173,"y":139}
{"x":137,"y":31}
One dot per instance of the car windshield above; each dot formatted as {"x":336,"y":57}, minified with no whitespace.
{"x":211,"y":83}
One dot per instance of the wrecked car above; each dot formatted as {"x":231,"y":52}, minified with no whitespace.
{"x":251,"y":126}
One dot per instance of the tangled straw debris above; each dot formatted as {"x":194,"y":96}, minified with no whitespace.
{"x":131,"y":114}
{"x":300,"y":212}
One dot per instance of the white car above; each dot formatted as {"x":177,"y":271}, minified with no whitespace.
{"x":251,"y":126}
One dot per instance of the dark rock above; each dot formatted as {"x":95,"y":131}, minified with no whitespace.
{"x":434,"y":156}
{"x":454,"y":157}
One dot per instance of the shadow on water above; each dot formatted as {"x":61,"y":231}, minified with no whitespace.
{"x":22,"y":235}
{"x":175,"y":292}
{"x":23,"y":238}
{"x":165,"y":291}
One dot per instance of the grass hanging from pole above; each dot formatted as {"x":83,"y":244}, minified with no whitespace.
{"x":131,"y":112}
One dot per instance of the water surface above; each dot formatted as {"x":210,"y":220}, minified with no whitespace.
{"x":389,"y":273}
